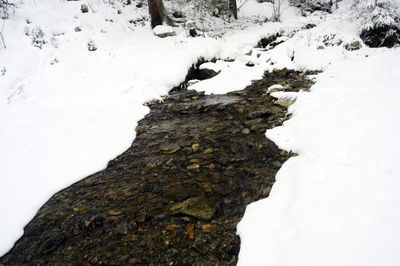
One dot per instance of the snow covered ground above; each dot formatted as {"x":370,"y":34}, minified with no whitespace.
{"x":65,"y":111}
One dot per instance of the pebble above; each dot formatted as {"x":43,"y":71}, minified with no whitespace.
{"x":246,"y":131}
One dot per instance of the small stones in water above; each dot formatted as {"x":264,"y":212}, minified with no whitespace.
{"x":158,"y":201}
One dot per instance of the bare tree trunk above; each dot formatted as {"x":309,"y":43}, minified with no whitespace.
{"x":233,"y":8}
{"x":156,"y":13}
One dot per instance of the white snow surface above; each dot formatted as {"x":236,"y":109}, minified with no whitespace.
{"x":336,"y":203}
{"x":66,"y":111}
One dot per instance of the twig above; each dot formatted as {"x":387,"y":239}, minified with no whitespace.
{"x":242,"y":4}
{"x":2,"y":36}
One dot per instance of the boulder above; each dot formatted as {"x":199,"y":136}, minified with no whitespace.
{"x":163,"y":31}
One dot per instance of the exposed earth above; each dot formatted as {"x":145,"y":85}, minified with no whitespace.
{"x":176,"y":195}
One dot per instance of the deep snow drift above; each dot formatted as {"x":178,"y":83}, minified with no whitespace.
{"x":65,"y":111}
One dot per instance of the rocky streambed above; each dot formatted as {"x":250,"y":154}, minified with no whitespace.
{"x":176,"y":195}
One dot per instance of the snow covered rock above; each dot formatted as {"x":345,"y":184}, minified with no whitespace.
{"x":163,"y":31}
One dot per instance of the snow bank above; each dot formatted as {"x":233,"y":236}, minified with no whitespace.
{"x":337,"y":202}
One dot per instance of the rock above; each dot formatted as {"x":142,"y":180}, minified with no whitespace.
{"x":170,"y":148}
{"x":151,"y":165}
{"x":206,"y":74}
{"x":199,"y":207}
{"x":114,"y":212}
{"x":84,"y":8}
{"x":190,"y":230}
{"x":176,"y":191}
{"x":195,"y":146}
{"x":122,"y":229}
{"x":77,"y":29}
{"x":163,"y":31}
{"x":260,"y":113}
{"x":284,"y":102}
{"x":208,"y":150}
{"x":53,"y":239}
{"x":177,"y":14}
{"x":253,"y":122}
{"x":246,"y":131}
{"x":194,"y":166}
{"x":356,"y":45}
{"x":91,"y":46}
{"x":208,"y":228}
{"x":250,"y":64}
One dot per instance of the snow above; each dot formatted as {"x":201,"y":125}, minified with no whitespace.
{"x":163,"y":30}
{"x":339,"y":196}
{"x":66,"y":111}
{"x":336,"y":202}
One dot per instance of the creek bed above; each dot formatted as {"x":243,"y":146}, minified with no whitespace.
{"x":176,"y":195}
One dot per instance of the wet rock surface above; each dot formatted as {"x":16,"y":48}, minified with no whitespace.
{"x":176,"y":195}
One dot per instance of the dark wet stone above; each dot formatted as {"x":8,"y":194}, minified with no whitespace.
{"x":259,"y":113}
{"x":199,"y":207}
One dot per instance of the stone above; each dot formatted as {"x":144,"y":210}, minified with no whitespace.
{"x":253,"y":122}
{"x":195,"y":146}
{"x":114,"y":212}
{"x":246,"y":131}
{"x":260,"y":113}
{"x":208,"y":150}
{"x":284,"y":102}
{"x":177,"y":14}
{"x":164,"y":31}
{"x":353,"y":46}
{"x":250,"y":64}
{"x":84,"y":8}
{"x":208,"y":228}
{"x":194,"y":166}
{"x":206,"y":74}
{"x":175,"y":191}
{"x":170,"y":148}
{"x":198,"y":207}
{"x":122,"y":229}
{"x":151,"y":165}
{"x":190,"y":230}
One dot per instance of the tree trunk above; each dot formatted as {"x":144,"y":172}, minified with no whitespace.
{"x":233,"y":8}
{"x":156,"y":12}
